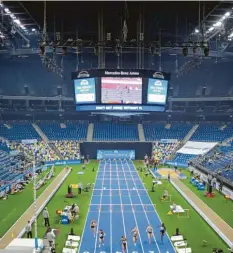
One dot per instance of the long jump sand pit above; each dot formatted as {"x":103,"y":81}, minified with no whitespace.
{"x":165,"y":171}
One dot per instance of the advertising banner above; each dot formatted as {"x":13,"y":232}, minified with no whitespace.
{"x":197,"y":148}
{"x":30,"y":141}
{"x":115,"y":154}
{"x":62,"y":162}
{"x":120,"y":73}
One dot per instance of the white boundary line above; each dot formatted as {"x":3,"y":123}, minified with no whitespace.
{"x":42,"y":206}
{"x":109,"y":189}
{"x":212,"y":225}
{"x":123,"y":219}
{"x":135,"y":219}
{"x":85,"y":223}
{"x":101,"y":196}
{"x":154,"y":209}
{"x":110,"y":212}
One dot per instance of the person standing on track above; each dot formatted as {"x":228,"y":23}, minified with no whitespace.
{"x":28,"y":229}
{"x":149,"y":231}
{"x":101,"y":238}
{"x":46,"y":217}
{"x":162,"y":231}
{"x":93,"y":226}
{"x":123,"y":243}
{"x":135,"y":235}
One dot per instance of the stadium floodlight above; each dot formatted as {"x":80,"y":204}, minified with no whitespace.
{"x":33,"y":29}
{"x":7,"y":11}
{"x":17,"y":21}
{"x":227,"y":14}
{"x":196,"y":31}
{"x":217,"y":24}
{"x":12,"y":16}
{"x":211,"y":29}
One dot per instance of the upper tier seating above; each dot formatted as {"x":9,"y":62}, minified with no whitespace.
{"x":70,"y":150}
{"x":157,"y":131}
{"x":115,"y":132}
{"x":68,"y":131}
{"x":18,"y":131}
{"x":212,"y":132}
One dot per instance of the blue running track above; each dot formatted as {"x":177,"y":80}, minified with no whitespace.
{"x":118,"y":204}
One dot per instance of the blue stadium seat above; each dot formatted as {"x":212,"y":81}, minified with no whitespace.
{"x":18,"y":131}
{"x":212,"y":132}
{"x":68,"y":131}
{"x":157,"y":131}
{"x":115,"y":132}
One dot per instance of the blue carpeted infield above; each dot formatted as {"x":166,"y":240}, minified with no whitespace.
{"x":119,"y":203}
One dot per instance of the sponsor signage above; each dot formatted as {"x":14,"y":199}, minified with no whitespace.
{"x":120,"y":73}
{"x":197,"y":148}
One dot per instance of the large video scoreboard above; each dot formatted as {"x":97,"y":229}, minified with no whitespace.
{"x":120,"y":90}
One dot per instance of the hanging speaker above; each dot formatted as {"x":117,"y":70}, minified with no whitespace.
{"x":185,"y":51}
{"x":203,"y":91}
{"x":206,"y":51}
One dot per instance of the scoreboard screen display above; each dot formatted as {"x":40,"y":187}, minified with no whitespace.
{"x":121,"y":90}
{"x":85,"y":91}
{"x":157,"y":91}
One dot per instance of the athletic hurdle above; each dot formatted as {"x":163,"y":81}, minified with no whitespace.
{"x":167,"y":199}
{"x":184,"y":215}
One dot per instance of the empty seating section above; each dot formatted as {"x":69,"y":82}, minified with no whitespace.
{"x":182,"y":159}
{"x":67,"y":131}
{"x":115,"y":132}
{"x":39,"y":151}
{"x":70,"y":150}
{"x":162,"y":151}
{"x":158,"y":131}
{"x":210,"y":132}
{"x":219,"y":160}
{"x":18,"y":131}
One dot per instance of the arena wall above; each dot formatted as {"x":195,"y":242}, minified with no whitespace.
{"x":141,"y":148}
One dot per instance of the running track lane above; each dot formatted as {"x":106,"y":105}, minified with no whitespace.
{"x":119,"y":203}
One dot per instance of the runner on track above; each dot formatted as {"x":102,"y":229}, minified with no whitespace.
{"x":124,"y":242}
{"x":135,"y":235}
{"x":101,"y":237}
{"x":93,"y":226}
{"x":162,"y":231}
{"x":149,"y":231}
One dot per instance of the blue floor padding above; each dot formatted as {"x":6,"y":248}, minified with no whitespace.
{"x":119,"y":203}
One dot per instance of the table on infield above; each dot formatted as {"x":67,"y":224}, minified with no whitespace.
{"x":119,"y":203}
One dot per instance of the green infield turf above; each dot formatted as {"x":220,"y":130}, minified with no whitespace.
{"x":194,"y":228}
{"x":218,"y":204}
{"x":16,"y":205}
{"x":58,"y":202}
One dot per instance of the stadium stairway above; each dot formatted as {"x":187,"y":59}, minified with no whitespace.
{"x":40,"y":132}
{"x":90,"y":132}
{"x":190,"y":133}
{"x":141,"y":133}
{"x":45,"y":139}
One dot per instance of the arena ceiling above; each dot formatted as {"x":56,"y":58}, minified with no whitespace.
{"x":175,"y":22}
